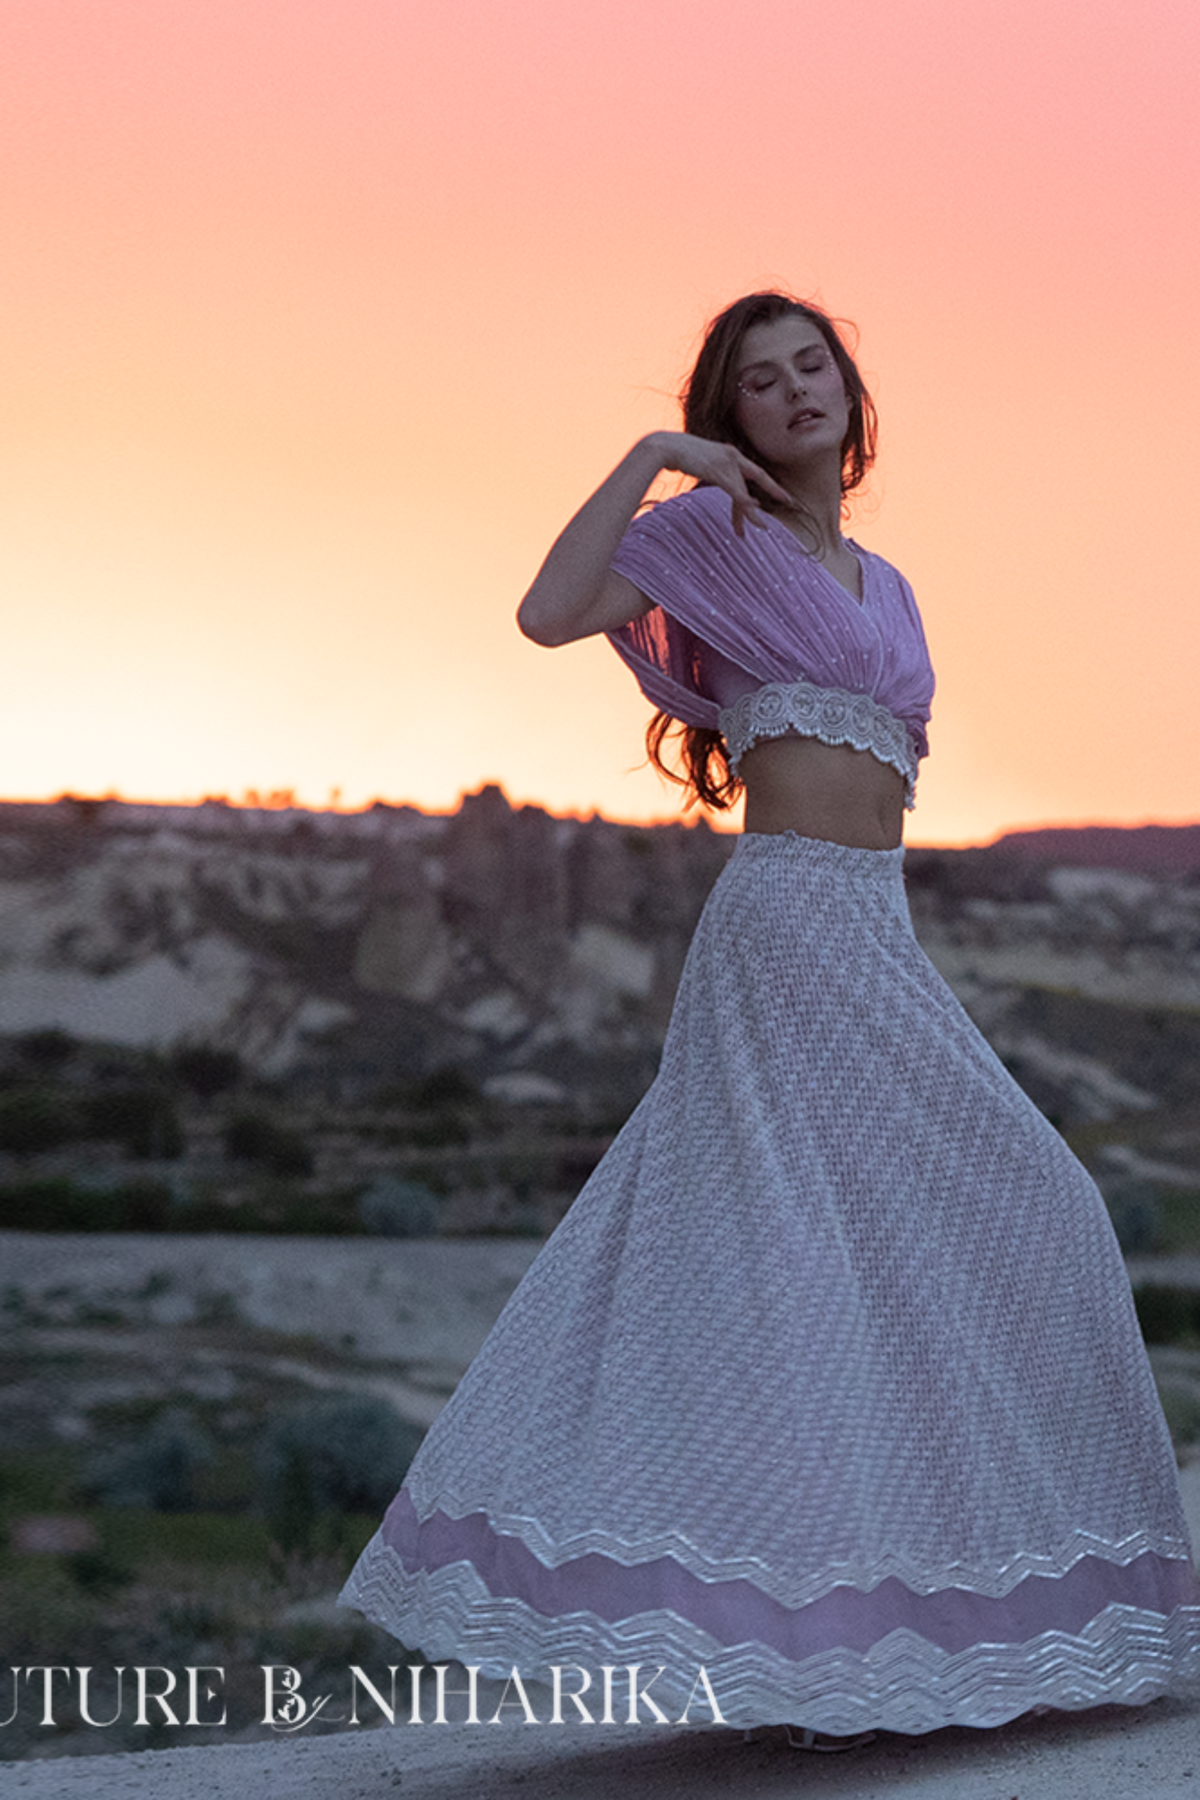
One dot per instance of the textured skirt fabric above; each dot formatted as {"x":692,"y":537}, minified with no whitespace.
{"x":830,"y":1381}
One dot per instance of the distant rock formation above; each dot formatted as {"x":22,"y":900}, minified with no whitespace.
{"x":541,"y":954}
{"x":350,"y":948}
{"x":1146,"y":849}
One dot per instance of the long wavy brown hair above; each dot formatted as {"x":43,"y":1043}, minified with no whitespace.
{"x":699,"y":763}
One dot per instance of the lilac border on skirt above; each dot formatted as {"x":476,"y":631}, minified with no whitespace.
{"x":736,"y":1612}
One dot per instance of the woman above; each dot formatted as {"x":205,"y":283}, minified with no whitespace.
{"x":830,"y":1383}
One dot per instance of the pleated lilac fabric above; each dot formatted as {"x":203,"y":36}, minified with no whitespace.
{"x":752,"y":636}
{"x":830,"y":1382}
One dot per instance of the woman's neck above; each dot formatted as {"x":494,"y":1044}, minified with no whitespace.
{"x":817,"y":517}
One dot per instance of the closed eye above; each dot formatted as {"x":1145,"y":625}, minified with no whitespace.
{"x":762,"y":380}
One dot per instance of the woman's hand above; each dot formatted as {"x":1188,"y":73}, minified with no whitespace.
{"x":576,"y":592}
{"x":722,"y":466}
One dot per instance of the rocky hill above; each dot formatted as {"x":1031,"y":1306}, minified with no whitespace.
{"x":540,"y":955}
{"x":1146,"y":849}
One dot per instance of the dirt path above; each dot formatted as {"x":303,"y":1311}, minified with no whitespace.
{"x":1110,"y":1754}
{"x":387,"y":1299}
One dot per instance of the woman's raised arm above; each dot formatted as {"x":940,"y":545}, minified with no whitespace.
{"x":575,"y":592}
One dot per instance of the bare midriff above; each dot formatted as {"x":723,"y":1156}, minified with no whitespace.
{"x":818,"y":790}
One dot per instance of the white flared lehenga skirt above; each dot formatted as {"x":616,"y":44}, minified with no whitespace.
{"x":830,"y":1381}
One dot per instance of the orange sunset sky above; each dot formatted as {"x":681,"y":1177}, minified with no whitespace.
{"x":320,"y":318}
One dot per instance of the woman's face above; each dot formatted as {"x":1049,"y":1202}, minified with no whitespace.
{"x":791,"y":399}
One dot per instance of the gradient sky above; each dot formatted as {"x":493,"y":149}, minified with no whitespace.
{"x":322,"y":317}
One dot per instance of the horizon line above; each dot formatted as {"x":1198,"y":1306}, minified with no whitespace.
{"x":282,"y":800}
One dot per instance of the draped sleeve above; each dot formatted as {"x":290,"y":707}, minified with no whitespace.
{"x":667,"y":660}
{"x":677,"y":554}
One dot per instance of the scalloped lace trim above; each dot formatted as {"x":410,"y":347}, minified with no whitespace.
{"x":902,"y":1683}
{"x":833,"y":715}
{"x":788,"y":1589}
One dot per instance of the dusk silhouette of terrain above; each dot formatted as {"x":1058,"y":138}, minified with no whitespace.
{"x":1148,"y":849}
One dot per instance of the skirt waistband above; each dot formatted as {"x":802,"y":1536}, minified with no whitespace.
{"x":784,"y":848}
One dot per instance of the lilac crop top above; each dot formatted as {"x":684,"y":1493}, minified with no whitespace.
{"x":753,"y":637}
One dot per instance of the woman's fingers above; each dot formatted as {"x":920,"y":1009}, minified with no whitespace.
{"x":766,"y":482}
{"x":745,"y":506}
{"x":741,"y":472}
{"x":725,"y":467}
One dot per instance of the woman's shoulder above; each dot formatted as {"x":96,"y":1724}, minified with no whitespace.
{"x":700,"y":518}
{"x":688,"y":532}
{"x":686,"y":510}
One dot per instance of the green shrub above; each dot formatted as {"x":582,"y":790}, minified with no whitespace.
{"x":52,"y":1204}
{"x":1167,"y":1314}
{"x":55,"y":1203}
{"x":1181,"y":1408}
{"x":391,"y":1207}
{"x":140,"y":1117}
{"x":34,"y":1117}
{"x":252,"y":1137}
{"x":97,"y":1573}
{"x":1134,"y":1210}
{"x":146,"y":1206}
{"x":347,"y":1453}
{"x":206,"y":1070}
{"x":448,"y":1086}
{"x":46,"y":1050}
{"x":447,"y":1101}
{"x":157,"y":1471}
{"x":440,"y":1131}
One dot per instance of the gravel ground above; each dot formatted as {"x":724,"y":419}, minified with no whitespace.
{"x":1113,"y":1753}
{"x":395,"y":1300}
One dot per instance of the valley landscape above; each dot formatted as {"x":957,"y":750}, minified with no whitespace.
{"x":288,"y":1102}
